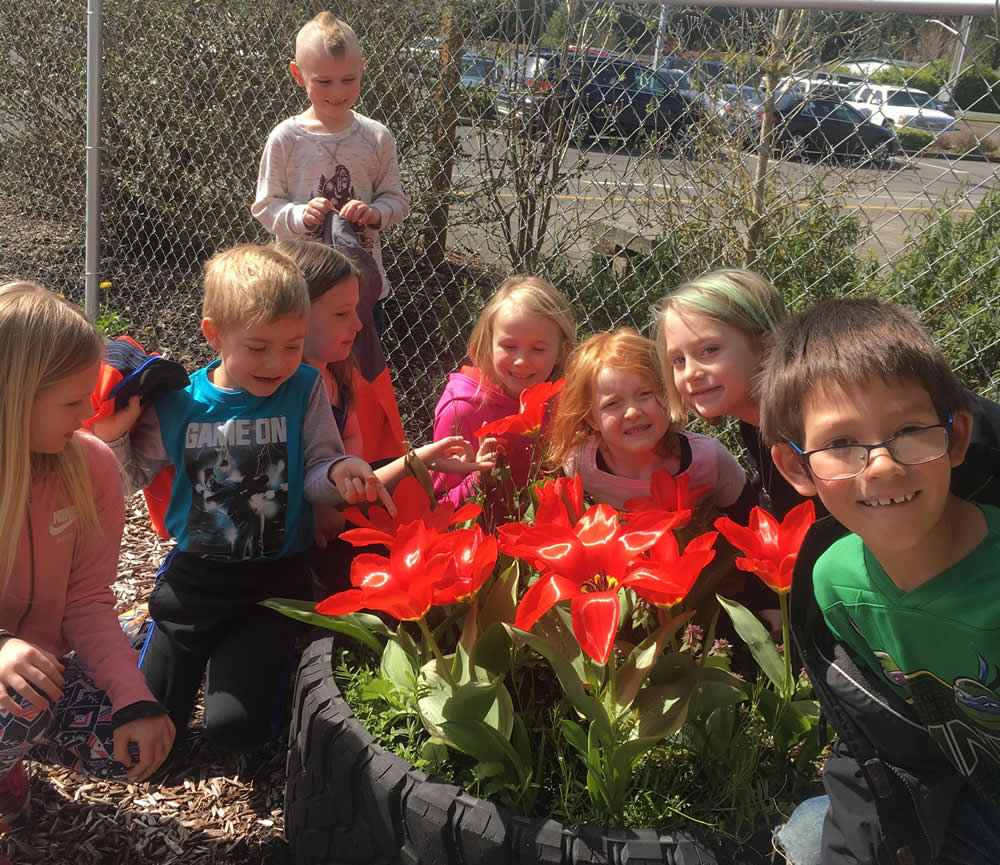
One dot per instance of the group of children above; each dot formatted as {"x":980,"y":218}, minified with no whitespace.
{"x":849,"y":402}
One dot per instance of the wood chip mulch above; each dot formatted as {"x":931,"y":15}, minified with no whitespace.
{"x":206,"y":806}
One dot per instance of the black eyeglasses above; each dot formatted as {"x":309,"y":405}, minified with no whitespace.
{"x":911,"y":447}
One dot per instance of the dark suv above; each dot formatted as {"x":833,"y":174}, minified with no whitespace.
{"x":595,"y":93}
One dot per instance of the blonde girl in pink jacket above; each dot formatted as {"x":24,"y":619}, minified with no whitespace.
{"x":70,"y":690}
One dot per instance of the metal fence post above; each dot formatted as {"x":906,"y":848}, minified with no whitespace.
{"x":92,"y":261}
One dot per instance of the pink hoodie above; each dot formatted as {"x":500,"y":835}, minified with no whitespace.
{"x":59,"y":594}
{"x":468,"y":402}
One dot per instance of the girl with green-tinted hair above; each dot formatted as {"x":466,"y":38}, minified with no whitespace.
{"x":711,"y":335}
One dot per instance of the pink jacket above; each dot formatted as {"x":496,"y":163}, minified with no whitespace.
{"x":59,"y":595}
{"x":468,"y":402}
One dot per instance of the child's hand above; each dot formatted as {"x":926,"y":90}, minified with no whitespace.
{"x":356,"y":482}
{"x":113,"y":427}
{"x":490,"y":450}
{"x":328,"y":523}
{"x":153,"y":737}
{"x":316,"y":211}
{"x":358,"y":212}
{"x":30,"y":672}
{"x":453,"y":455}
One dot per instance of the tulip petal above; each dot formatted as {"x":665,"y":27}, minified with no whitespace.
{"x":540,"y":598}
{"x":595,"y":622}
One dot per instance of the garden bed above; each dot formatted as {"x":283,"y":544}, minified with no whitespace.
{"x":348,"y":800}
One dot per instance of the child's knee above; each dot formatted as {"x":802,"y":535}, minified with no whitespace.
{"x":229,"y":722}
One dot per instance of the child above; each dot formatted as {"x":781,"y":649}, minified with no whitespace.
{"x":613,"y":425}
{"x":521,"y":338}
{"x":712,"y":334}
{"x":71,"y":691}
{"x":253,"y":442}
{"x":330,"y":157}
{"x":333,"y":325}
{"x":863,"y":411}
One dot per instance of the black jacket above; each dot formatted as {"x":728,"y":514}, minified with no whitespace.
{"x":891,"y":788}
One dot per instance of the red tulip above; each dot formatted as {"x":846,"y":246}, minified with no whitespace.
{"x":412,"y":503}
{"x":474,"y":555}
{"x":770,"y":547}
{"x":586,"y":564}
{"x":669,"y":493}
{"x":560,"y":500}
{"x":666,"y":577}
{"x":402,"y":585}
{"x":527,"y":422}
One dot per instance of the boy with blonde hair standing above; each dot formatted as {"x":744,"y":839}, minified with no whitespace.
{"x":253,"y":444}
{"x":329,"y":157}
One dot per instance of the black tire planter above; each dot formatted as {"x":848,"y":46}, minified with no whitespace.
{"x":348,"y":800}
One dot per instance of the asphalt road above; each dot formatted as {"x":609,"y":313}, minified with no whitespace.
{"x":624,"y":191}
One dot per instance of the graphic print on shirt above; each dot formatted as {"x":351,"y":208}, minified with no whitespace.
{"x":239,"y":478}
{"x":339,"y":188}
{"x":962,"y":717}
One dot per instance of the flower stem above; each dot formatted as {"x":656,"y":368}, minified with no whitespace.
{"x":706,"y":646}
{"x":787,"y":649}
{"x":433,"y":646}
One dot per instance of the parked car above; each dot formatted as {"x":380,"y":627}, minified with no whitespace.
{"x":736,"y":105}
{"x":820,"y":83}
{"x":479,"y":71}
{"x":684,"y":85}
{"x":597,"y":93}
{"x":808,"y":126}
{"x":890,"y":105}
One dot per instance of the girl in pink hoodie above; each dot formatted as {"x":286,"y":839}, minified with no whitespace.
{"x":70,"y":690}
{"x":522,"y":337}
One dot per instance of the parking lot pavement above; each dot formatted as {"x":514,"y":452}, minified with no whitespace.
{"x":611,"y":187}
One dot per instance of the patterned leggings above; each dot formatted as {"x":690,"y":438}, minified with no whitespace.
{"x":76,"y":732}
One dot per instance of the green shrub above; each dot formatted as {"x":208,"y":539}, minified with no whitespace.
{"x":914,"y":140}
{"x":952,"y":273}
{"x":930,"y":79}
{"x":978,"y":89}
{"x":806,"y":250}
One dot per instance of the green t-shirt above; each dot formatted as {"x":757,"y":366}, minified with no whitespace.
{"x":938,"y":645}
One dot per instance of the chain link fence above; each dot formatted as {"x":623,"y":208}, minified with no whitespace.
{"x":616,"y":148}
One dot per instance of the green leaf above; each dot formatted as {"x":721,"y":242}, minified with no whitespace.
{"x":416,"y":467}
{"x":574,"y":734}
{"x":572,"y":685}
{"x":434,"y":750}
{"x":556,"y":628}
{"x":489,"y":702}
{"x":434,"y":691}
{"x":642,"y":660}
{"x":363,"y":627}
{"x":627,"y":754}
{"x":461,"y":666}
{"x":377,"y":689}
{"x":758,"y":640}
{"x":662,"y":709}
{"x":489,"y":769}
{"x":492,"y":651}
{"x":720,"y":729}
{"x":486,"y":745}
{"x":500,"y":602}
{"x":398,"y":666}
{"x":716,"y":688}
{"x":787,"y":723}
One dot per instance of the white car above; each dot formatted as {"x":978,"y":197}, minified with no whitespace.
{"x":892,"y":106}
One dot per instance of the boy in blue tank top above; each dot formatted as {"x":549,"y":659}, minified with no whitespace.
{"x":253,"y":445}
{"x":863,"y":411}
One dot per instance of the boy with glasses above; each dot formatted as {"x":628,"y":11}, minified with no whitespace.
{"x":862,"y":410}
